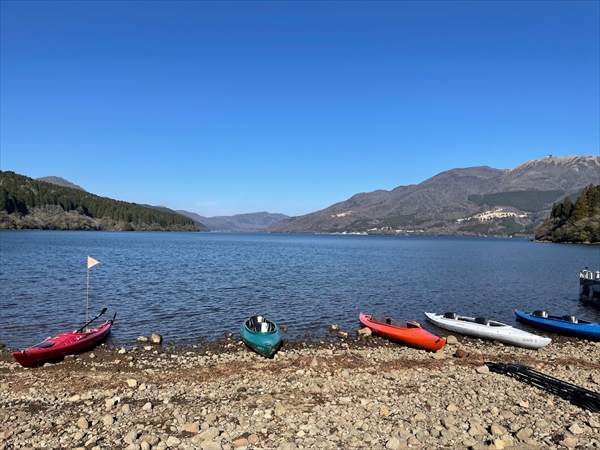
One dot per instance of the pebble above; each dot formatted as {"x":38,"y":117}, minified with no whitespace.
{"x":344,"y":393}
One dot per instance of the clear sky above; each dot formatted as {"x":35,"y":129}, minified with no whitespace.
{"x":227,"y":107}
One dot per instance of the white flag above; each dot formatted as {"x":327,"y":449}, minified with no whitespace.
{"x":92,"y":262}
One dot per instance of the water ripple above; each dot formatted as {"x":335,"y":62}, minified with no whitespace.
{"x":195,"y":287}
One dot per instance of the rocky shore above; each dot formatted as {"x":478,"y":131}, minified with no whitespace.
{"x":345,"y":393}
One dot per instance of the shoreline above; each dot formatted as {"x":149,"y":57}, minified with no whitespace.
{"x":349,"y":393}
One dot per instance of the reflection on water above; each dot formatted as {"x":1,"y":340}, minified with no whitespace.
{"x":193,"y":287}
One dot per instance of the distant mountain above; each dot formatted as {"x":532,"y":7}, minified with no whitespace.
{"x":237,"y":223}
{"x":60,"y":182}
{"x":469,"y":201}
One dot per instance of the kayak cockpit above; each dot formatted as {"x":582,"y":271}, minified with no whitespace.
{"x":44,"y":344}
{"x":258,"y":324}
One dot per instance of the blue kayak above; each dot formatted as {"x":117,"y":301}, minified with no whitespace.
{"x":261,"y":335}
{"x":565,"y":325}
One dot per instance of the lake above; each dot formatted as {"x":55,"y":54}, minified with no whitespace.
{"x":194,"y":287}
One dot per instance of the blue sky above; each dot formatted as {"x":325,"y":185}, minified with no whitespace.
{"x":222,"y":108}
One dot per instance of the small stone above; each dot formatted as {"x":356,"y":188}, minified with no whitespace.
{"x":393,"y":444}
{"x":476,"y":429}
{"x":211,"y":445}
{"x":524,"y":433}
{"x":192,"y":427}
{"x":363,"y":332}
{"x":460,"y":353}
{"x":287,"y":446}
{"x":413,"y":441}
{"x":500,"y":444}
{"x":451,"y":340}
{"x":108,"y":420}
{"x":130,"y":437}
{"x":83,"y":423}
{"x":241,"y":442}
{"x":570,"y":442}
{"x":209,"y":433}
{"x":151,"y":439}
{"x":142,"y":339}
{"x":420,"y":416}
{"x":131,"y":382}
{"x":483,"y":370}
{"x":575,"y":429}
{"x":173,"y":441}
{"x":497,"y":430}
{"x":156,"y":338}
{"x":279,"y":409}
{"x":147,"y":406}
{"x":4,"y":435}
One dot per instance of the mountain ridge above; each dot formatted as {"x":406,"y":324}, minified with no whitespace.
{"x":441,"y":205}
{"x":478,"y":200}
{"x":248,"y":222}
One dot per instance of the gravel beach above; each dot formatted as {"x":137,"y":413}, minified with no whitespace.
{"x":347,"y":392}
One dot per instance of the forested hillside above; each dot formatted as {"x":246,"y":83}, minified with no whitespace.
{"x":574,"y":222}
{"x":26,"y":203}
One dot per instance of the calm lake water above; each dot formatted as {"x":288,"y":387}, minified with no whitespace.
{"x":195,"y":287}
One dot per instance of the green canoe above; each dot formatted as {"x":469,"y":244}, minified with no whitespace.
{"x":261,"y":335}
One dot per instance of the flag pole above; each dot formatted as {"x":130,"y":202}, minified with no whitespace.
{"x":87,"y":295}
{"x":90,"y":263}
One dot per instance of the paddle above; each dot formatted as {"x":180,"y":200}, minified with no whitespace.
{"x":80,"y":330}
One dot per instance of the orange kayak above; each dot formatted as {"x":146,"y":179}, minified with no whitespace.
{"x":409,"y":333}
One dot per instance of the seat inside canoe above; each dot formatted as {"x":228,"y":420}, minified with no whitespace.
{"x":44,"y":344}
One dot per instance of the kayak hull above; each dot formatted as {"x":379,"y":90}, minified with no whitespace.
{"x":63,"y":344}
{"x":565,"y":325}
{"x":411,"y":334}
{"x":488,"y":329}
{"x":261,"y":335}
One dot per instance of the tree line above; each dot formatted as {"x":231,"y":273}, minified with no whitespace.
{"x":26,"y":203}
{"x":577,"y":222}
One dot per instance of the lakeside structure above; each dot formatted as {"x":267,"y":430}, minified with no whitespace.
{"x":589,"y":287}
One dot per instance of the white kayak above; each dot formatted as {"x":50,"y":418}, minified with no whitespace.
{"x":482,"y":328}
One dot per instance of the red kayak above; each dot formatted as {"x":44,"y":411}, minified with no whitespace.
{"x":64,"y":344}
{"x":410,"y":333}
